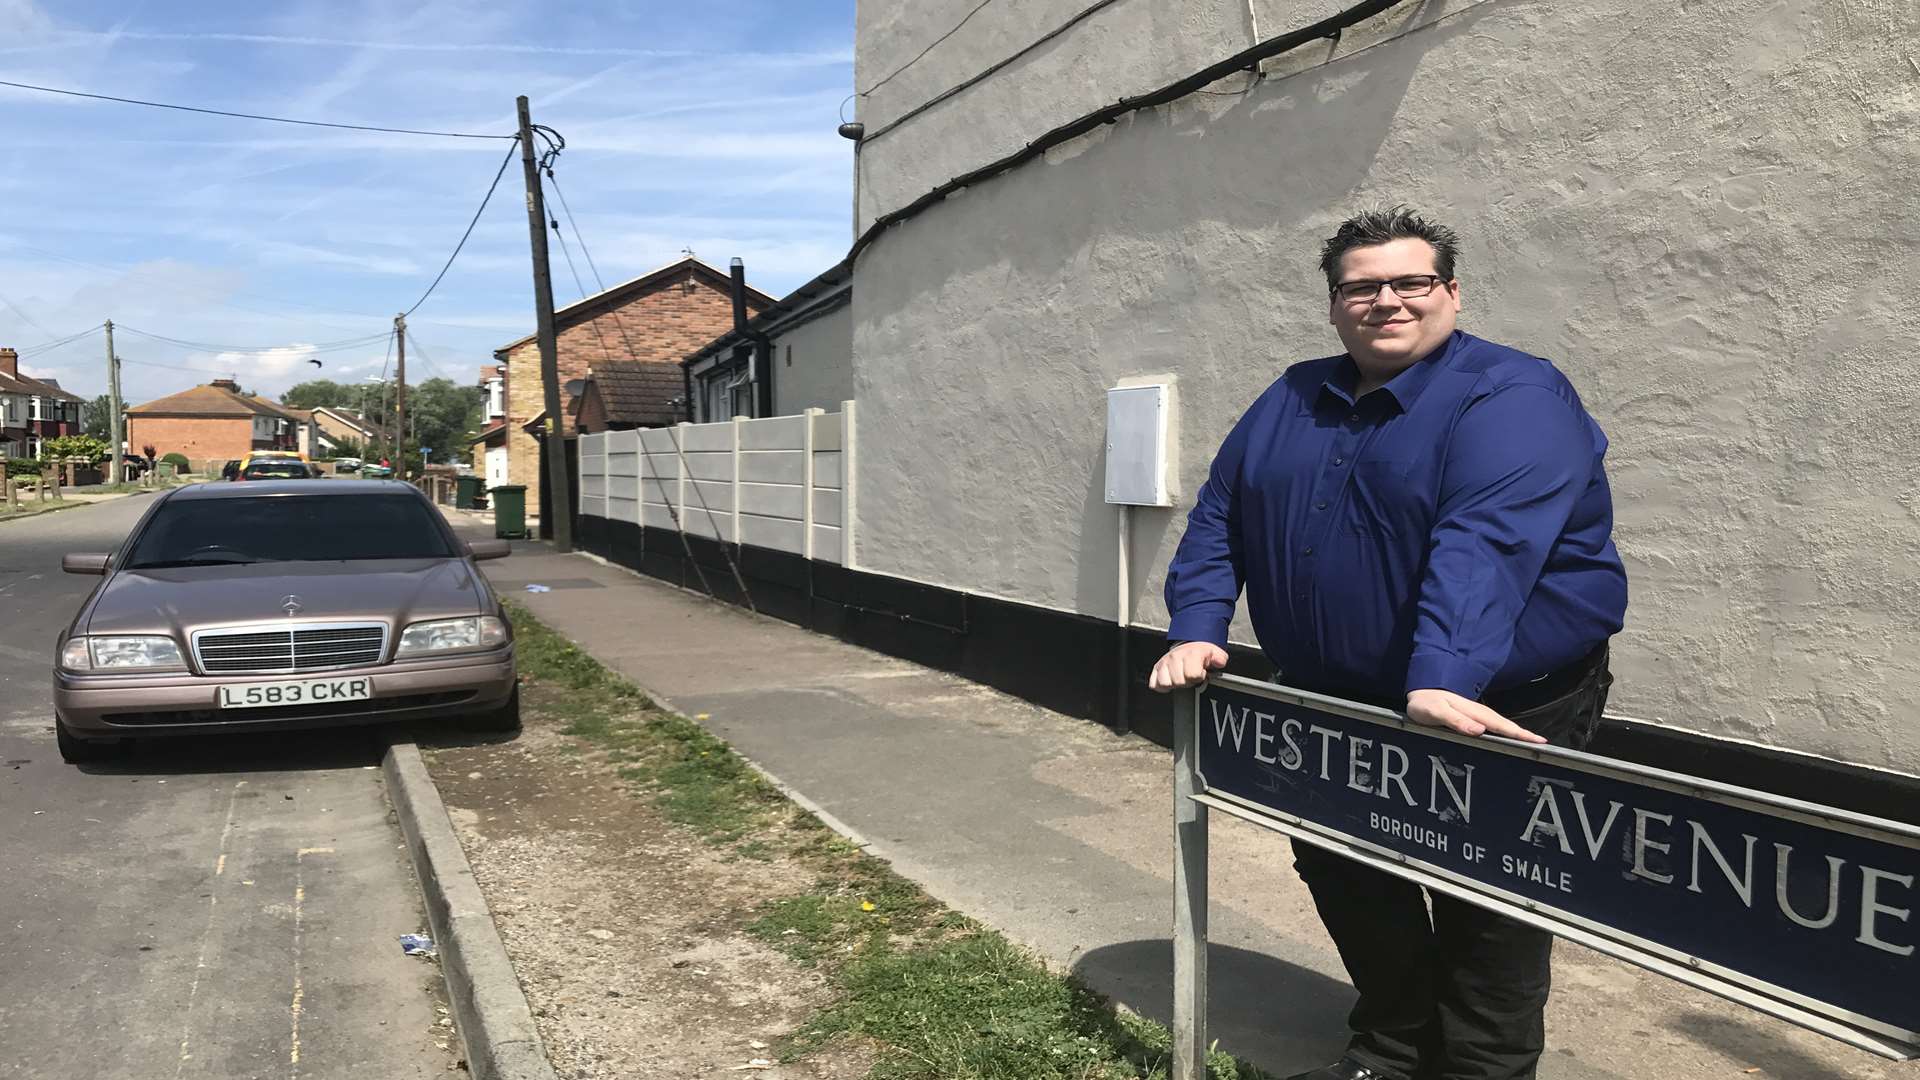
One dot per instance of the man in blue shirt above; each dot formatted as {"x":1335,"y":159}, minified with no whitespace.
{"x":1424,"y":523}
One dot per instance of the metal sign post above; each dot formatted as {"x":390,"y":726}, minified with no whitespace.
{"x":1189,"y":898}
{"x":1801,"y":911}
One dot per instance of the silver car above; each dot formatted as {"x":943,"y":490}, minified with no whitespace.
{"x":283,"y":604}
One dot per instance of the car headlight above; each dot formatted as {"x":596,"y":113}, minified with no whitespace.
{"x":448,"y":635}
{"x":120,"y":654}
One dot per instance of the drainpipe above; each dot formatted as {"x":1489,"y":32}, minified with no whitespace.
{"x":762,"y":357}
{"x":686,"y":383}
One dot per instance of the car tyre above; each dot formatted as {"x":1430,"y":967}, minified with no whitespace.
{"x":503,"y":720}
{"x":75,"y":750}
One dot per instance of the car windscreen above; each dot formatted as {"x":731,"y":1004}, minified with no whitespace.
{"x":288,"y":528}
{"x":261,"y":470}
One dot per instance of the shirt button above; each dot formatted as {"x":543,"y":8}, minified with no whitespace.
{"x":1319,"y":506}
{"x":1354,"y":419}
{"x":1339,"y":461}
{"x":1306,"y":551}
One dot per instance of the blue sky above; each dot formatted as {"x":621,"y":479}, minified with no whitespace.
{"x":703,"y":126}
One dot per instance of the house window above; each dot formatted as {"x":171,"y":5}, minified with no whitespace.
{"x":742,"y":396}
{"x":33,"y":409}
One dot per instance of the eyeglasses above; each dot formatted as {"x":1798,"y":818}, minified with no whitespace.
{"x":1413,"y":285}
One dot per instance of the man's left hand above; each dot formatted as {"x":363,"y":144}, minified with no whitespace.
{"x":1446,"y":709}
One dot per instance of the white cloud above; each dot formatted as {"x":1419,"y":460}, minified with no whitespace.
{"x":272,"y":366}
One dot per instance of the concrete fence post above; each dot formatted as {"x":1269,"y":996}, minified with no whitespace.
{"x":849,"y":485}
{"x":806,"y":480}
{"x":739,"y":422}
{"x":680,"y":469}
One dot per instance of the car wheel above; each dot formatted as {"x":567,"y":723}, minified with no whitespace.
{"x":75,"y":750}
{"x":502,"y":720}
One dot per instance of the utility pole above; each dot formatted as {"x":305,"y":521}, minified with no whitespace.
{"x":400,"y":399}
{"x":558,"y":500}
{"x":113,"y":404}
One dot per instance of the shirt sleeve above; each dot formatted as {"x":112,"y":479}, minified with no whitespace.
{"x":1204,"y":579}
{"x":1518,"y":461}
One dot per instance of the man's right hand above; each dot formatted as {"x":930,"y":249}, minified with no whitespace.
{"x":1186,"y":664}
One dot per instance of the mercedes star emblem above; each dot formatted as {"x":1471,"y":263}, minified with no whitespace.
{"x":291,"y":605}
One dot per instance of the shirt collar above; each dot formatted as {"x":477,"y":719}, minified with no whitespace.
{"x":1405,"y":387}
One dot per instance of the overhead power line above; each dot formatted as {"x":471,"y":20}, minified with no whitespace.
{"x":207,"y":346}
{"x":177,"y":367}
{"x":254,"y":116}
{"x":49,"y":346}
{"x":488,"y":197}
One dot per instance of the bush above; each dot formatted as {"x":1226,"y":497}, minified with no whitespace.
{"x":176,"y":459}
{"x":86,"y":447}
{"x":18,"y":467}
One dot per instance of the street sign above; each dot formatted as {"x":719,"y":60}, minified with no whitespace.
{"x":1801,"y":911}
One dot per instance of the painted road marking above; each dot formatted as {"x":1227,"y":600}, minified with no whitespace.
{"x":206,"y":938}
{"x":299,"y":927}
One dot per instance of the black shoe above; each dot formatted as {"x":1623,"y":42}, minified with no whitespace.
{"x":1344,"y":1069}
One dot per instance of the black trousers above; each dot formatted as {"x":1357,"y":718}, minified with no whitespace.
{"x":1459,"y":994}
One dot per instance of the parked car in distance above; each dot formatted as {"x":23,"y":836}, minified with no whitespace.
{"x":231,"y":470}
{"x":278,"y":469}
{"x":278,"y":605}
{"x":376,"y":471}
{"x":347,"y":464}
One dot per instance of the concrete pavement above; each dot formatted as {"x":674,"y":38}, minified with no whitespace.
{"x":1060,"y":834}
{"x":204,"y":907}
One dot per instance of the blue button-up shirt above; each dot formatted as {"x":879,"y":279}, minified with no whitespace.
{"x":1452,"y":529}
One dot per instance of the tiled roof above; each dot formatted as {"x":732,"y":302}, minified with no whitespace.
{"x":21,"y":384}
{"x":641,"y":393}
{"x":206,"y":401}
{"x":719,"y":278}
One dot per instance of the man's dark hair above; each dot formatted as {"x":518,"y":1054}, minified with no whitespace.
{"x":1373,"y":227}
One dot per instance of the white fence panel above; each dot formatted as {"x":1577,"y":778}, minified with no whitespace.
{"x":774,"y":500}
{"x":708,"y":437}
{"x":826,"y":470}
{"x":593,"y":475}
{"x":827,"y":543}
{"x":774,"y":433}
{"x":780,"y":534}
{"x":710,"y":495}
{"x":826,"y":507}
{"x":706,"y":465}
{"x":772,"y":467}
{"x":782,"y":482}
{"x":827,"y":430}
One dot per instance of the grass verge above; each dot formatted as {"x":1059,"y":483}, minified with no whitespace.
{"x":941,"y":996}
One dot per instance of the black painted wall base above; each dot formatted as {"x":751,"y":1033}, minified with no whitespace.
{"x":1071,"y":663}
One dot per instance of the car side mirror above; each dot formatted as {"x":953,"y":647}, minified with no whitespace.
{"x":88,"y":563}
{"x":488,"y":549}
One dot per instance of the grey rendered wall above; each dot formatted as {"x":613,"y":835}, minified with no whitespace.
{"x":1704,"y":213}
{"x":821,"y":375}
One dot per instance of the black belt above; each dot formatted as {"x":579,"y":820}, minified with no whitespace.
{"x":1507,"y":700}
{"x":1548,"y":688}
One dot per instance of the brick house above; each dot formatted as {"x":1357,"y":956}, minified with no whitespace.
{"x":32,"y":410}
{"x":342,"y":427}
{"x":216,"y":423}
{"x":657,"y":318}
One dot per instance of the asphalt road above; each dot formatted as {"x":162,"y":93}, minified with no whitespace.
{"x":203,"y":907}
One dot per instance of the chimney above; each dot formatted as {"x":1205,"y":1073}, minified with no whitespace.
{"x":10,"y":363}
{"x":228,"y":385}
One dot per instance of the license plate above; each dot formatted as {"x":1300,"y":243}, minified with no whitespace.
{"x":300,"y":692}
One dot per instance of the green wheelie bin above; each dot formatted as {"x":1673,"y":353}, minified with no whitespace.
{"x":466,"y":492}
{"x":509,"y":511}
